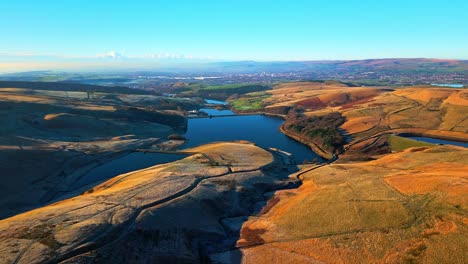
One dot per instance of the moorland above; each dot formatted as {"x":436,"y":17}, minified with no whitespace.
{"x":380,"y":197}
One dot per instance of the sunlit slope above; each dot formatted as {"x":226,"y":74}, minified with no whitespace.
{"x":168,"y":203}
{"x":426,"y":110}
{"x":407,"y":206}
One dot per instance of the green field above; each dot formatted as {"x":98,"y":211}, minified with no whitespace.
{"x":253,"y":101}
{"x":400,"y":143}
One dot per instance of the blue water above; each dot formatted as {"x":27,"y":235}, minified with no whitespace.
{"x":448,"y":85}
{"x":209,"y":101}
{"x":260,"y":129}
{"x":216,"y":112}
{"x":438,"y":141}
{"x":127,"y":163}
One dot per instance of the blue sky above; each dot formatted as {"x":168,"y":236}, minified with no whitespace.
{"x":234,"y":30}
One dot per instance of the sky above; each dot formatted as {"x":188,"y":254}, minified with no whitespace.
{"x":82,"y":31}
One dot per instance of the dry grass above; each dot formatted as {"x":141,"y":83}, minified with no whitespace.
{"x":391,"y":210}
{"x":47,"y":140}
{"x":430,"y":111}
{"x":99,"y":214}
{"x":11,"y":97}
{"x":444,"y":177}
{"x":425,"y":95}
{"x":334,"y":200}
{"x":459,"y":98}
{"x":359,"y":124}
{"x":313,"y":95}
{"x":370,"y":110}
{"x":227,"y":153}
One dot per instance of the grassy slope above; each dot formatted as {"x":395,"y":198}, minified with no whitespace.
{"x":365,"y":213}
{"x":226,"y":86}
{"x":428,"y":110}
{"x":222,"y":92}
{"x":157,"y":200}
{"x":406,"y":207}
{"x":400,"y":143}
{"x":251,"y":102}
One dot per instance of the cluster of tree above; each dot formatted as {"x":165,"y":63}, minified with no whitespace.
{"x":278,"y":110}
{"x":322,"y":130}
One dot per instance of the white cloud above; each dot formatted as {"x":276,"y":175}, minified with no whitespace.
{"x":172,"y":56}
{"x":157,"y":56}
{"x":110,"y":54}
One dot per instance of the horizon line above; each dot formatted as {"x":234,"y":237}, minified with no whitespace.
{"x":132,"y":64}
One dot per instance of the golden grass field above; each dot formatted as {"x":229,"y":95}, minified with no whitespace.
{"x":396,"y":209}
{"x":386,"y":199}
{"x":425,"y":110}
{"x":407,"y":204}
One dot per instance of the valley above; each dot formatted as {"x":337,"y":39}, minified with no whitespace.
{"x":356,"y":190}
{"x":229,"y":132}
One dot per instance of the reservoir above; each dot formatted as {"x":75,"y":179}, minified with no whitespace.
{"x":259,"y":129}
{"x":438,"y":141}
{"x":123,"y":164}
{"x":216,"y":112}
{"x":448,"y":85}
{"x":209,"y":101}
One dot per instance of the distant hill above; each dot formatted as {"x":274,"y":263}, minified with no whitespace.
{"x":369,"y":72}
{"x":415,"y":65}
{"x":62,"y":86}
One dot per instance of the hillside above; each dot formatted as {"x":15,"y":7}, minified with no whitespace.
{"x":407,"y":207}
{"x":49,"y":139}
{"x":218,"y":92}
{"x":386,"y":199}
{"x":381,"y":197}
{"x":388,"y":65}
{"x":180,"y":212}
{"x":71,"y":87}
{"x":368,"y":111}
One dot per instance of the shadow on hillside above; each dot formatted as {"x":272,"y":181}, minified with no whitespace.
{"x":27,"y":175}
{"x":232,"y":252}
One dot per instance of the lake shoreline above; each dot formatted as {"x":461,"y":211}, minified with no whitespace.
{"x":455,"y":140}
{"x":252,"y":129}
{"x":314,"y":147}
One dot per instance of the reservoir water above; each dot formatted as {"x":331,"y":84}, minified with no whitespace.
{"x":123,"y":164}
{"x":216,"y":112}
{"x":209,"y":101}
{"x":438,"y":141}
{"x":259,"y":129}
{"x":448,"y":85}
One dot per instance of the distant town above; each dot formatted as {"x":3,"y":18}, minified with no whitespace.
{"x":374,"y":72}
